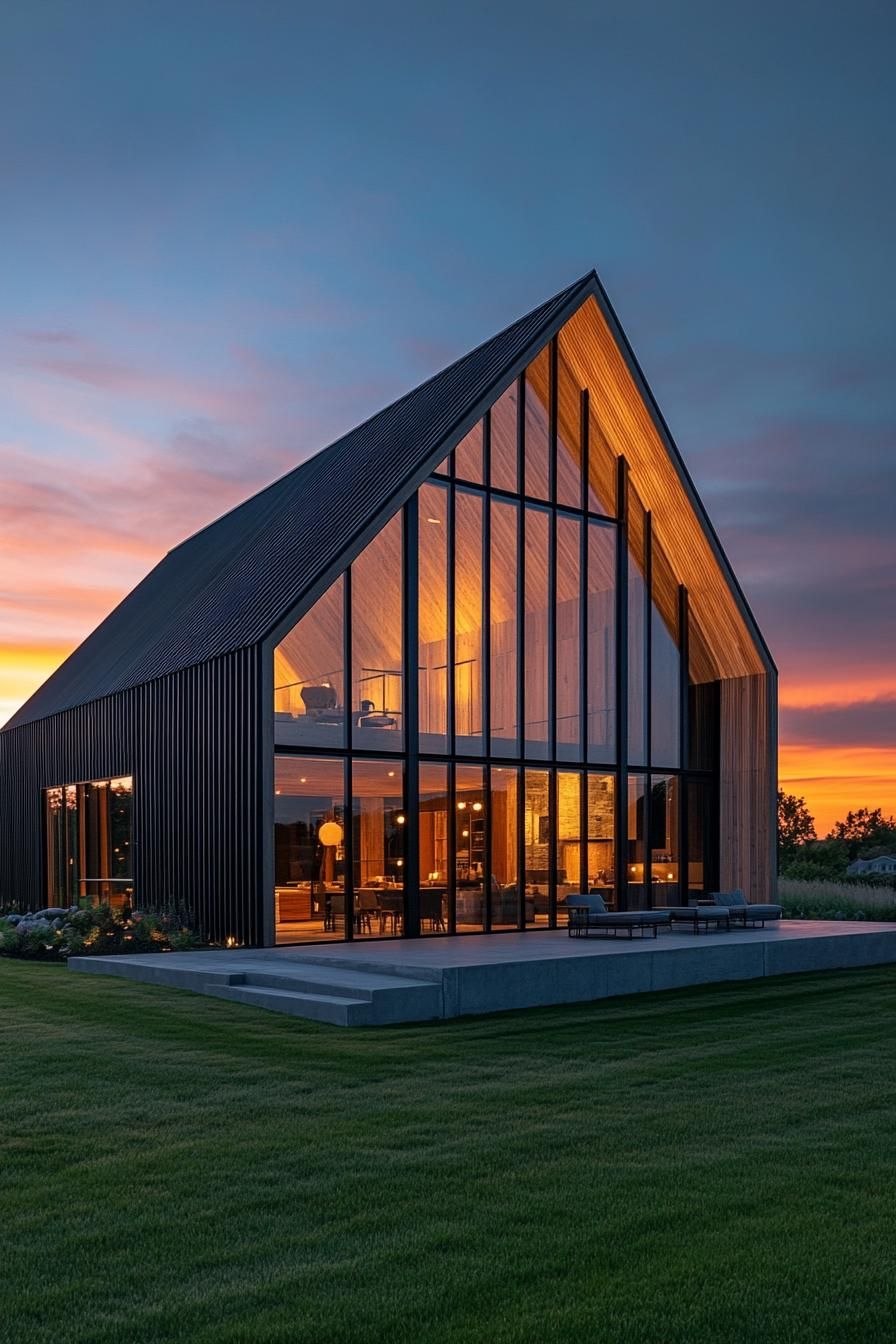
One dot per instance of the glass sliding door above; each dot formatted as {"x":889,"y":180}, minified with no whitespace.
{"x":665,"y":853}
{"x":503,"y":812}
{"x":433,"y":844}
{"x":469,"y":847}
{"x":309,"y":848}
{"x":636,"y":858}
{"x":537,"y":846}
{"x":569,"y":835}
{"x":601,"y":823}
{"x":379,"y":832}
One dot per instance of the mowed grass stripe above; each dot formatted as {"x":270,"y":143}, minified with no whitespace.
{"x":712,"y":1164}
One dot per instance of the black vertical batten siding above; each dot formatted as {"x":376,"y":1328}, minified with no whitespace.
{"x":191,"y":741}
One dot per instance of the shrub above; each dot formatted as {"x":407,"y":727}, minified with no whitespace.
{"x":94,"y":930}
{"x":819,"y":899}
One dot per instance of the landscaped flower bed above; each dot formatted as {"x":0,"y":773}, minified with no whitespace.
{"x":55,"y":934}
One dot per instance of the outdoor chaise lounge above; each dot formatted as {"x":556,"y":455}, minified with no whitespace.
{"x":742,"y":912}
{"x":707,"y":914}
{"x":589,"y":912}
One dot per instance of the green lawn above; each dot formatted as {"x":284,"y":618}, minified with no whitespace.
{"x":713,"y":1165}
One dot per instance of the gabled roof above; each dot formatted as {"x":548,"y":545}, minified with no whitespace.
{"x":229,"y":585}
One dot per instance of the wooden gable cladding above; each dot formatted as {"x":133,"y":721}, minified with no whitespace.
{"x":747,"y":836}
{"x":627,"y":425}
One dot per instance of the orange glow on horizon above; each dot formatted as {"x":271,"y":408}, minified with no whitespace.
{"x":23,"y":668}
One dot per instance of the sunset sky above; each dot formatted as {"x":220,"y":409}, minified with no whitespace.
{"x":232,"y":230}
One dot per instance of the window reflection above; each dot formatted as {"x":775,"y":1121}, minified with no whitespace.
{"x":569,"y":428}
{"x":601,"y":627}
{"x":469,"y":841}
{"x":602,"y":470}
{"x":664,"y":839}
{"x":537,"y":845}
{"x":89,"y":837}
{"x":468,"y":567}
{"x":569,"y":834}
{"x":377,"y":642}
{"x":665,"y":663}
{"x":568,"y":619}
{"x":637,"y":632}
{"x":435,"y":810}
{"x":537,"y":427}
{"x":379,"y":831}
{"x":602,"y":837}
{"x":309,"y":848}
{"x":637,"y":844}
{"x":504,"y":450}
{"x":468,"y":456}
{"x":503,"y":619}
{"x":537,"y":632}
{"x":309,"y":684}
{"x":505,"y":895}
{"x":432,"y":589}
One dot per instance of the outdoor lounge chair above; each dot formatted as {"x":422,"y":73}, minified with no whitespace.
{"x":744,"y":913}
{"x":589,"y":912}
{"x":707,"y":913}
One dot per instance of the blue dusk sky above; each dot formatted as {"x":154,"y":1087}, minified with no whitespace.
{"x":230,"y":231}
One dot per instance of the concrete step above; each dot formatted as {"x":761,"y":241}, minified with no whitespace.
{"x":332,"y":1008}
{"x":392,"y":998}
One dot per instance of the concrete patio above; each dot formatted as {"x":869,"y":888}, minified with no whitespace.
{"x":374,"y":983}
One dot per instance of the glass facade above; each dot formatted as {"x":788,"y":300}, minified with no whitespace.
{"x":480,"y":786}
{"x":90,"y":843}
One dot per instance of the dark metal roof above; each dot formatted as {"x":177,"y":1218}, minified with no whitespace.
{"x":229,"y":585}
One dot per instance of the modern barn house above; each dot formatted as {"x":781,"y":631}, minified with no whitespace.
{"x":483,"y":652}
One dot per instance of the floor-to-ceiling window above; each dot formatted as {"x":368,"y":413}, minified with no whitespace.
{"x":464,"y":773}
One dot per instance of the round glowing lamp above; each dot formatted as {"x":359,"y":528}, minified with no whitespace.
{"x":330,"y":833}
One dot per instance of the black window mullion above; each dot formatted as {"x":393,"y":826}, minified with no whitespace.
{"x":552,"y":847}
{"x":411,"y":799}
{"x":583,"y":831}
{"x":621,"y":819}
{"x":648,"y":699}
{"x":487,"y":704}
{"x":683,"y":868}
{"x":585,"y":448}
{"x":521,"y":846}
{"x":348,"y":830}
{"x":452,"y":848}
{"x":348,"y":840}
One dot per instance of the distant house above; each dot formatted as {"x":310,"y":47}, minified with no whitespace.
{"x":884,"y":864}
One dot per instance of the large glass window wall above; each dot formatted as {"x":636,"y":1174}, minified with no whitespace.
{"x":478,"y":789}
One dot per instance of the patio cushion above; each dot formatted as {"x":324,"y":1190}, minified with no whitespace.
{"x":760,"y":911}
{"x":703,"y":911}
{"x":593,"y":902}
{"x":731,"y":899}
{"x":626,"y":917}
